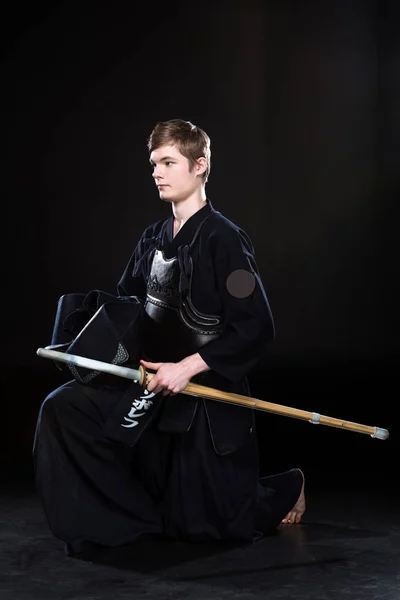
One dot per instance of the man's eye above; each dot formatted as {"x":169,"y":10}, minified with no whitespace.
{"x":169,"y":162}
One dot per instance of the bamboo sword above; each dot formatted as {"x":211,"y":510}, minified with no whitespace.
{"x":143,"y":377}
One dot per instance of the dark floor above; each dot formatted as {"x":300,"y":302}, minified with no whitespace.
{"x":348,"y":546}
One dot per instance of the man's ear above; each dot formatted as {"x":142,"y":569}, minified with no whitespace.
{"x":201,"y":165}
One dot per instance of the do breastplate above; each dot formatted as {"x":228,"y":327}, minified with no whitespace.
{"x":175,"y":328}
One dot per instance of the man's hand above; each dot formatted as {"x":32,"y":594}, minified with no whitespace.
{"x":172,"y":378}
{"x":169,"y":377}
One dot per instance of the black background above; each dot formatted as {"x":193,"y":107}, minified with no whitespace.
{"x":301,"y":101}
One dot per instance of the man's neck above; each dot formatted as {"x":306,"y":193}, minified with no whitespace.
{"x":183,"y":210}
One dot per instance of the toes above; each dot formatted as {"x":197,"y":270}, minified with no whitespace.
{"x":292,"y":517}
{"x":288,"y":518}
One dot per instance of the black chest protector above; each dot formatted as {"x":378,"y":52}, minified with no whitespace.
{"x":175,"y":328}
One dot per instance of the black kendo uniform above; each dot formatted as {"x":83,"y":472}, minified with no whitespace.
{"x":193,"y":473}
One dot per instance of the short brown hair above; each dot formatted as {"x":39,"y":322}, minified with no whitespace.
{"x":191,"y":141}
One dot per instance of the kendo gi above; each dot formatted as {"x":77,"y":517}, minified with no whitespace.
{"x":193,"y":474}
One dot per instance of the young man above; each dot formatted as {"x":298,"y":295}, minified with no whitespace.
{"x":192,"y":474}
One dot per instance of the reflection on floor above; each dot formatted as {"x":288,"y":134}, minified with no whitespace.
{"x":348,"y":546}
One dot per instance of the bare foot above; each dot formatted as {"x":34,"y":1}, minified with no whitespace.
{"x":298,"y":510}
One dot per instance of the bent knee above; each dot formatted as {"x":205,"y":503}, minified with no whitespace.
{"x":59,"y":399}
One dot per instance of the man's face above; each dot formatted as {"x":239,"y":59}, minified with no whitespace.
{"x":171,"y":174}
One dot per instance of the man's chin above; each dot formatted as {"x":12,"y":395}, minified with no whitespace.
{"x":165,"y":198}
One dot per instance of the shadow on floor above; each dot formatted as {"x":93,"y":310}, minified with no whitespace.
{"x":347,"y":547}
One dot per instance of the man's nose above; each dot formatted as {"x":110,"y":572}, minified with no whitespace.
{"x":157,"y":172}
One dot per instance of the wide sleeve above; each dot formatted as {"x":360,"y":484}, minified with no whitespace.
{"x":247,"y":321}
{"x":133,"y":281}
